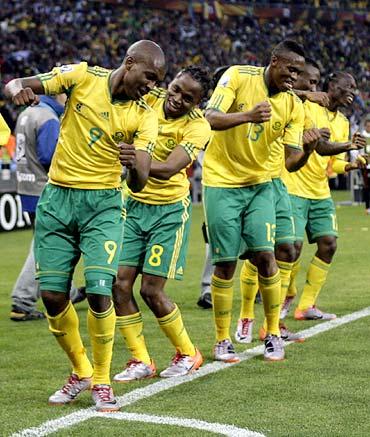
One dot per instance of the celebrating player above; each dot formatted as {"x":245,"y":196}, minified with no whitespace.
{"x":106,"y":124}
{"x":313,"y":207}
{"x":250,"y":109}
{"x":157,"y":227}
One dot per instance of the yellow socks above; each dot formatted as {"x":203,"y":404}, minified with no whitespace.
{"x":316,"y":277}
{"x":222,"y":299}
{"x":101,"y":329}
{"x":248,"y":289}
{"x":285,"y":275}
{"x":270,"y":290}
{"x":64,"y":327}
{"x":292,"y":288}
{"x":173,"y":326}
{"x":131,"y":328}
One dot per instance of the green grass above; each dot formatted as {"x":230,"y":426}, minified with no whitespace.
{"x":321,"y":389}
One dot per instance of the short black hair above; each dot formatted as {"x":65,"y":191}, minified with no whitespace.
{"x":288,"y":45}
{"x":334,"y":77}
{"x":201,"y":75}
{"x":312,"y":62}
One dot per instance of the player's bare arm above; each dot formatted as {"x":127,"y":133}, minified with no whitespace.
{"x":318,"y":97}
{"x":327,"y":148}
{"x":295,"y":159}
{"x":221,"y":121}
{"x":24,"y":91}
{"x":176,"y":161}
{"x":137,"y":163}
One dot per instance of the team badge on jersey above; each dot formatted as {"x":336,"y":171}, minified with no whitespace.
{"x":224,"y":81}
{"x":66,"y":68}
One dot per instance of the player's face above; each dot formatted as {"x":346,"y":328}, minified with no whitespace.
{"x":141,"y":77}
{"x":286,"y":69}
{"x":183,"y":94}
{"x":344,"y":90}
{"x":309,"y":79}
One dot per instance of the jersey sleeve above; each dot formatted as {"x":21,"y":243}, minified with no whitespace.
{"x":195,"y":137}
{"x":63,"y":79}
{"x":225,"y":92}
{"x":293,"y":132}
{"x":146,"y":135}
{"x":4,"y":131}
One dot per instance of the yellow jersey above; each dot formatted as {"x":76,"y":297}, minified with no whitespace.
{"x":191,"y":131}
{"x":239,"y":156}
{"x":93,"y":124}
{"x":311,"y":181}
{"x":4,"y":131}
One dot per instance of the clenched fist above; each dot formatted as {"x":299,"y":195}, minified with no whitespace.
{"x":127,"y":155}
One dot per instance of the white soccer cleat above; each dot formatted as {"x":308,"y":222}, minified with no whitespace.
{"x":104,"y":399}
{"x":136,"y":370}
{"x":244,"y":330}
{"x":70,"y":390}
{"x":286,"y":306}
{"x":182,"y":365}
{"x":224,"y":351}
{"x":274,"y":348}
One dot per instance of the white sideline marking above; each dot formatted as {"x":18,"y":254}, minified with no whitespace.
{"x":165,"y":384}
{"x":218,"y":428}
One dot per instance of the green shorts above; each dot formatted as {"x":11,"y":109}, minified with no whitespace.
{"x":285,"y":232}
{"x":156,"y":237}
{"x":316,"y":217}
{"x":236,"y":217}
{"x":71,"y":222}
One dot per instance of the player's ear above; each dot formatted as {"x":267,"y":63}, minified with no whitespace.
{"x":274,"y":60}
{"x":129,"y":61}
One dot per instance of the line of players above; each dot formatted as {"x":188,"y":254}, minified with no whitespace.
{"x":118,"y":118}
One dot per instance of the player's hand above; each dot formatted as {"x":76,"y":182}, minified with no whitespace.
{"x":325,"y":133}
{"x":362,"y":161}
{"x":260,"y":113}
{"x":310,"y":139}
{"x":26,"y":96}
{"x":127,"y":155}
{"x":358,"y":141}
{"x":318,"y":97}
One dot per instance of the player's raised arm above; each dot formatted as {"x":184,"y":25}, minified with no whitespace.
{"x":24,"y":91}
{"x":327,"y":148}
{"x":294,"y":158}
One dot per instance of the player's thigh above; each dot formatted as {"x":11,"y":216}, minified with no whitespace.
{"x":259,"y":219}
{"x":135,"y":237}
{"x":56,"y":244}
{"x":101,"y":229}
{"x":168,"y":240}
{"x":300,"y":208}
{"x":285,"y":229}
{"x":322,"y":219}
{"x":223,"y":208}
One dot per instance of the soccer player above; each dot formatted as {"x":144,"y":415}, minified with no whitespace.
{"x":313,"y":207}
{"x":157,"y":227}
{"x":280,"y":157}
{"x":106,"y":124}
{"x":250,"y":109}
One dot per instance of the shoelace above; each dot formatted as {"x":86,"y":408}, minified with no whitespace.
{"x":103,"y":393}
{"x":179,"y":359}
{"x":245,"y":327}
{"x":225,"y":347}
{"x":70,"y":386}
{"x":132,"y":363}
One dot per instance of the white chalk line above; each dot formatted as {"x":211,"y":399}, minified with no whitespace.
{"x":165,"y":384}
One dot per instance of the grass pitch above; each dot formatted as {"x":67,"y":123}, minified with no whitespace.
{"x":320,"y":389}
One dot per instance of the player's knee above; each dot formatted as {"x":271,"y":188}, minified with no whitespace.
{"x":99,"y":303}
{"x":225,"y":270}
{"x":265,"y":263}
{"x":298,"y":245}
{"x":55,"y":302}
{"x":327,"y":247}
{"x":99,"y":290}
{"x":285,"y":252}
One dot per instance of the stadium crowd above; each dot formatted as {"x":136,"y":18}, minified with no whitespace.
{"x":34,"y":34}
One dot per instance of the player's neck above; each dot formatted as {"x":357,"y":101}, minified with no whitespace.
{"x":270,"y":85}
{"x":333,"y":106}
{"x":116,"y":86}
